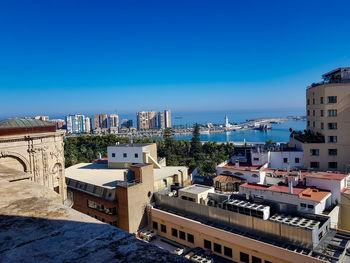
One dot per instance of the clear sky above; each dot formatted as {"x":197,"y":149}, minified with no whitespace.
{"x":60,"y":57}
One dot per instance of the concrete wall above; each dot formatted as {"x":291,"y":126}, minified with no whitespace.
{"x":335,"y":186}
{"x":344,"y":212}
{"x":119,"y":151}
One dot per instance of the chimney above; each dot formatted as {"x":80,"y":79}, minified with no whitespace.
{"x":290,"y":185}
{"x":237,"y":163}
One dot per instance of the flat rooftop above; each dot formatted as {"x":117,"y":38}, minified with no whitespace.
{"x":327,"y":175}
{"x":167,"y":171}
{"x":196,"y":189}
{"x":131,"y":145}
{"x":96,"y":174}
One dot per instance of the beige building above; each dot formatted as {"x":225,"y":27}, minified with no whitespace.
{"x":326,"y":145}
{"x":117,"y":191}
{"x":113,"y":123}
{"x":87,"y":125}
{"x":152,"y":116}
{"x":142,"y":120}
{"x":100,"y":123}
{"x":36,"y":148}
{"x":42,"y":118}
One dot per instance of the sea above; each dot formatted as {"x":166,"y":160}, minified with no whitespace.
{"x":278,"y":133}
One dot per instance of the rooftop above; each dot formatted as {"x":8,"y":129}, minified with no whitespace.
{"x":227,"y":178}
{"x":16,"y":126}
{"x":132,"y":145}
{"x":309,"y":193}
{"x":96,"y":174}
{"x":35,"y":227}
{"x":196,"y":189}
{"x":166,"y":171}
{"x":242,"y":166}
{"x":327,"y":175}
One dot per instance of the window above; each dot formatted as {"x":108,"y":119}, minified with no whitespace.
{"x":191,"y":199}
{"x":313,"y":101}
{"x":285,"y":160}
{"x":332,"y":165}
{"x":314,"y":164}
{"x":322,"y":125}
{"x":308,"y":123}
{"x":321,"y":100}
{"x":136,"y":155}
{"x":102,"y":208}
{"x":310,"y":206}
{"x":155,"y":225}
{"x":332,"y":99}
{"x":332,"y":138}
{"x":207,"y":244}
{"x":313,"y":113}
{"x":332,"y":126}
{"x":182,"y":235}
{"x":314,"y":152}
{"x":256,"y":159}
{"x":332,"y":113}
{"x":174,"y":232}
{"x":256,"y":260}
{"x":125,"y":155}
{"x":303,"y":205}
{"x":308,"y":101}
{"x":332,"y":152}
{"x":297,"y":160}
{"x":217,"y":248}
{"x":113,"y":154}
{"x":190,"y":238}
{"x":228,"y":252}
{"x":184,"y":197}
{"x":266,"y":261}
{"x":308,"y":112}
{"x":244,"y":257}
{"x":321,"y":113}
{"x":313,"y":124}
{"x":163,"y":228}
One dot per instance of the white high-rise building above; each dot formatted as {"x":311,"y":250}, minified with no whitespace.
{"x":113,"y":123}
{"x":75,"y":123}
{"x":167,"y":118}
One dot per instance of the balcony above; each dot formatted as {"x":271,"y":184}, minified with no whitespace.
{"x":308,"y":136}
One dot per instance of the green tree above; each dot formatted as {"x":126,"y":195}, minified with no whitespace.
{"x":196,"y":146}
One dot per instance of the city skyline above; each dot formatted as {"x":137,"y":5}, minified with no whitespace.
{"x":185,"y":56}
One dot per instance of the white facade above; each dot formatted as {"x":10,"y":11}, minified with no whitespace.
{"x":281,"y":159}
{"x":335,"y":186}
{"x":127,"y":154}
{"x":75,"y":123}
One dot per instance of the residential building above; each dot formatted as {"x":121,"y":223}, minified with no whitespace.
{"x":113,"y":123}
{"x":42,"y":118}
{"x":87,"y":125}
{"x":142,"y":120}
{"x":161,"y":120}
{"x":117,"y":189}
{"x":125,"y":123}
{"x":242,"y":231}
{"x":100,"y":123}
{"x":167,"y":118}
{"x":75,"y":123}
{"x":152,"y":116}
{"x":326,"y":144}
{"x":60,"y":124}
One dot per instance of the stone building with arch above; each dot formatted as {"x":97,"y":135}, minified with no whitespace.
{"x":35,"y":148}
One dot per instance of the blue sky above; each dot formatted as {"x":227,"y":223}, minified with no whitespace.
{"x":60,"y":57}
